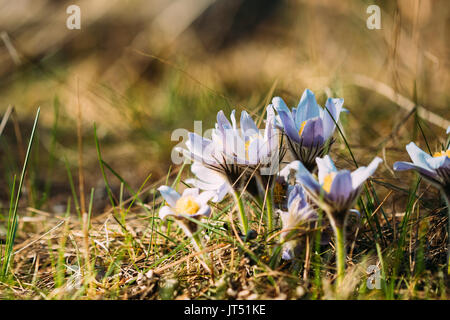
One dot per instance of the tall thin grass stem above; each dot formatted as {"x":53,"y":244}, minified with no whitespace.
{"x":242,"y":214}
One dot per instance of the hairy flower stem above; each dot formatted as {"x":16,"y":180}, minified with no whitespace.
{"x":340,"y":253}
{"x":242,"y":214}
{"x":198,"y":245}
{"x":269,"y":208}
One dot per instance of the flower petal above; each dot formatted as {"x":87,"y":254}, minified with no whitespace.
{"x":205,"y":174}
{"x":298,"y":195}
{"x":169,"y":194}
{"x":248,"y":126}
{"x":289,"y":126}
{"x":436,"y":162}
{"x":280,"y":105}
{"x":325,"y":166}
{"x":417,"y":155}
{"x":222,"y":121}
{"x":427,"y":173}
{"x":165,"y":212}
{"x":307,"y":107}
{"x":192,"y":192}
{"x":306,"y":179}
{"x":200,"y":147}
{"x":204,"y":210}
{"x":361,"y":174}
{"x":334,"y":107}
{"x":341,"y":187}
{"x":312,"y":134}
{"x":203,"y":198}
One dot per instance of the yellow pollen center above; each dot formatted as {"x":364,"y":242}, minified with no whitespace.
{"x":327,"y":181}
{"x":186,"y":205}
{"x":442,"y":153}
{"x":302,"y":127}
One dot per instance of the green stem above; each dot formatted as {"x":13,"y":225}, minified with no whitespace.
{"x":340,"y":253}
{"x":242,"y":215}
{"x":269,"y":208}
{"x":198,"y":245}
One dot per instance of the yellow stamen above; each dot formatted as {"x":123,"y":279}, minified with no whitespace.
{"x":442,"y":153}
{"x":247,"y":145}
{"x":328,"y":181}
{"x":186,"y":205}
{"x":302,"y":127}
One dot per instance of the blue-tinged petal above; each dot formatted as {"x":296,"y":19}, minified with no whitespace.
{"x":446,"y":164}
{"x":448,"y":129}
{"x":221,"y":192}
{"x":341,"y":187}
{"x":280,"y":105}
{"x":233,"y":144}
{"x":288,"y":251}
{"x":248,"y":126}
{"x":222,"y":121}
{"x":199,"y":146}
{"x":436,"y":162}
{"x":334,"y":107}
{"x":312,"y":134}
{"x":417,"y":155}
{"x":402,"y":166}
{"x":165,"y":212}
{"x":289,"y":126}
{"x":293,"y":113}
{"x":361,"y":174}
{"x":325,"y":166}
{"x":307,"y":179}
{"x":307,"y":107}
{"x":169,"y":194}
{"x":297,"y":193}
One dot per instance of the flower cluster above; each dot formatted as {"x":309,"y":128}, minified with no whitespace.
{"x":238,"y":160}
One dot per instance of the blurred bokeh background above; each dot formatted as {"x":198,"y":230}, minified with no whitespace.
{"x":139,"y":69}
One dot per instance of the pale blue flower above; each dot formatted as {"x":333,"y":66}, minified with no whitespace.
{"x":191,"y":203}
{"x":299,"y":212}
{"x":233,"y":152}
{"x":435,"y":169}
{"x":308,"y":127}
{"x":336,"y":191}
{"x":284,"y":182}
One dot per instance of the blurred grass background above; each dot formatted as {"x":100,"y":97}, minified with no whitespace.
{"x":140,"y":69}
